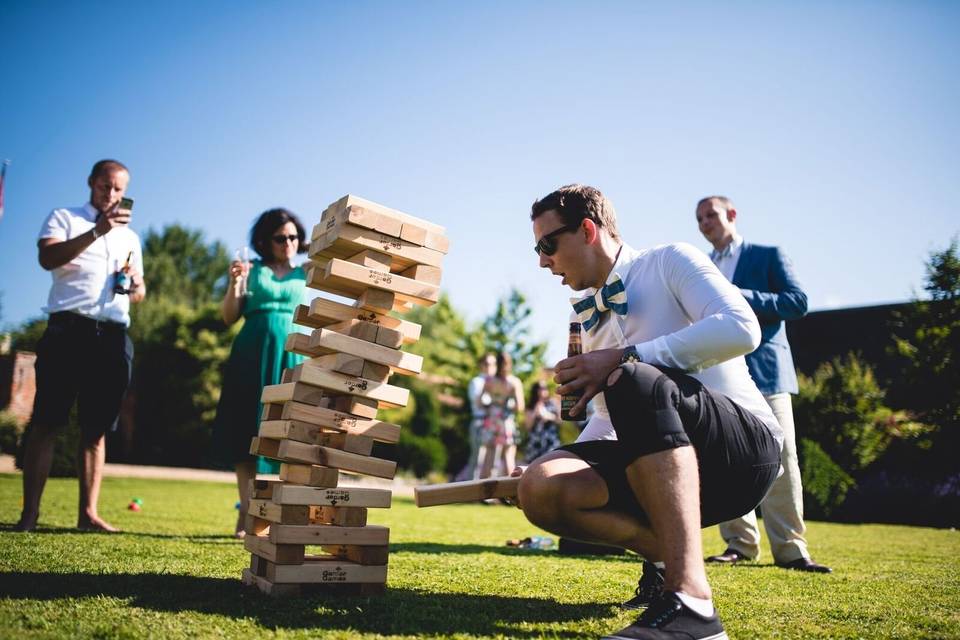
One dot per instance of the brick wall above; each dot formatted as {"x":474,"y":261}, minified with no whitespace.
{"x":18,"y":384}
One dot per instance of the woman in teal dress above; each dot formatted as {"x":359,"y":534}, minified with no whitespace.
{"x":274,"y":289}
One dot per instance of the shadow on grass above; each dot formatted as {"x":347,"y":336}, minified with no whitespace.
{"x":399,"y":611}
{"x":199,"y":537}
{"x":434,"y":547}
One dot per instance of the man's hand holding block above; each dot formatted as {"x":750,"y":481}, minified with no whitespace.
{"x":469,"y":491}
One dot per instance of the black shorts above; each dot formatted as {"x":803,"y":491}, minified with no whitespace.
{"x":84,"y":361}
{"x":738,"y":457}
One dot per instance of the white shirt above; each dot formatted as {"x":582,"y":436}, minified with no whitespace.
{"x":85,"y":284}
{"x":474,"y":389}
{"x":727,"y":259}
{"x":682,"y":313}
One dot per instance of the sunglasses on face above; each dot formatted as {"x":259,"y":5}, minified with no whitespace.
{"x":285,"y":239}
{"x":547,"y":245}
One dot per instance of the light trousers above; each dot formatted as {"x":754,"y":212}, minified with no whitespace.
{"x":782,"y":508}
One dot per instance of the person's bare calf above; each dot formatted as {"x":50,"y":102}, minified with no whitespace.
{"x":92,"y":456}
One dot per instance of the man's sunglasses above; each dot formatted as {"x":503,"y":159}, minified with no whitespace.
{"x":285,"y":239}
{"x":547,"y":245}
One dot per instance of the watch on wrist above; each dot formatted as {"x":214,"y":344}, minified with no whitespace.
{"x":630,"y":355}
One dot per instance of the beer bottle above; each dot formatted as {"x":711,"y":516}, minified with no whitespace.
{"x":574,"y":348}
{"x":122,"y":280}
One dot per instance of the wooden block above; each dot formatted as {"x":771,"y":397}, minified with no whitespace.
{"x":377,"y":300}
{"x":278,"y":553}
{"x":323,"y":312}
{"x":320,"y":569}
{"x":258,"y":566}
{"x":350,"y":201}
{"x":262,"y":489}
{"x":268,"y":588}
{"x":279,"y":513}
{"x":469,"y":491}
{"x":347,"y":240}
{"x":266,"y":447}
{"x":310,"y":475}
{"x":325,"y":340}
{"x":290,"y":450}
{"x":361,"y":445}
{"x":350,"y":280}
{"x":339,"y":516}
{"x":423,"y":273}
{"x":389,"y":337}
{"x":287,"y":375}
{"x":386,"y":394}
{"x":320,"y":534}
{"x":270,"y":412}
{"x":375,"y":372}
{"x":425,"y":238}
{"x":361,"y":216}
{"x":299,"y":343}
{"x":292,"y":391}
{"x":360,"y":555}
{"x":254,"y":526}
{"x":340,"y":421}
{"x":372,"y":259}
{"x":360,"y":407}
{"x":349,"y":496}
{"x":342,"y":363}
{"x":289,"y":429}
{"x":356,"y":329}
{"x":301,"y":316}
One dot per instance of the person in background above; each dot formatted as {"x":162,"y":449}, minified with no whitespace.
{"x":502,"y":398}
{"x":274,"y":287}
{"x":487,"y":368}
{"x":766,"y":278}
{"x":84,"y":356}
{"x":542,"y":418}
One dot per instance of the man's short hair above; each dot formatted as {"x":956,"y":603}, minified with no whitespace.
{"x":103,"y":166}
{"x":577,"y":202}
{"x":724,"y":200}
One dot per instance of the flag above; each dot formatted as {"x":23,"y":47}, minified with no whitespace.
{"x":3,"y":175}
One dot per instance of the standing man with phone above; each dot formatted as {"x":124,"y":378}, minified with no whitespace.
{"x":766,"y":279}
{"x":85,"y":355}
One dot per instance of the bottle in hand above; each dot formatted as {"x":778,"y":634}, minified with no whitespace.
{"x":122,"y":281}
{"x":574,"y":348}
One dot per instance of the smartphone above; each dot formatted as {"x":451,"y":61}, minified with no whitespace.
{"x":126,"y":204}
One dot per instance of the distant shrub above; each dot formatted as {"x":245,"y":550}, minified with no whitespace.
{"x":10,"y":432}
{"x":825,"y":484}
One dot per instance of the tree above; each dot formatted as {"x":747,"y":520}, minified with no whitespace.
{"x":181,"y":267}
{"x":508,"y":329}
{"x":930,"y":381}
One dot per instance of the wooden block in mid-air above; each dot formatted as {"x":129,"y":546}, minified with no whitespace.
{"x":469,"y":491}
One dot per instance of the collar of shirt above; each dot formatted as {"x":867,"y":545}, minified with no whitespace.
{"x":621,"y":266}
{"x":730,"y":251}
{"x":90,"y":212}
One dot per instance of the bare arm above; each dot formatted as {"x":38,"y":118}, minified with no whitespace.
{"x":55,"y":253}
{"x":232,"y":304}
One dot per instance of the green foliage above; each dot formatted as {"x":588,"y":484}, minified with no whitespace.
{"x":508,"y":329}
{"x":10,"y":432}
{"x":842,"y":409}
{"x":180,"y":266}
{"x":26,"y":336}
{"x":930,"y":382}
{"x":825,"y":484}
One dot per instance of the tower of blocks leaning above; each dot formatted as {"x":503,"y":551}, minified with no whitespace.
{"x":322,"y":418}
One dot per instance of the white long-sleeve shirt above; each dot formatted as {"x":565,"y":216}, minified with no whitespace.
{"x":682,"y":313}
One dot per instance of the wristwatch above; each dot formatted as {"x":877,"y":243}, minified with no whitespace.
{"x":630,"y":355}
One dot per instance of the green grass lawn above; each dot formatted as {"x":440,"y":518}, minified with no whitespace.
{"x":176,"y":573}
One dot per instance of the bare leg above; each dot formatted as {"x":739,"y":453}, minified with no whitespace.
{"x":91,"y":458}
{"x":37,"y":458}
{"x":559,"y":492}
{"x":246,"y":471}
{"x":485,"y":458}
{"x":509,"y":458}
{"x":667,"y":485}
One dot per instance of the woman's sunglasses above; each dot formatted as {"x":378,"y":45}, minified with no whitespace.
{"x":547,"y":245}
{"x":285,"y":239}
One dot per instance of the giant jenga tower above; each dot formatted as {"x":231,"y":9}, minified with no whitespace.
{"x":322,"y":419}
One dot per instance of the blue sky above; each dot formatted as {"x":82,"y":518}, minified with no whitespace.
{"x":833,"y":126}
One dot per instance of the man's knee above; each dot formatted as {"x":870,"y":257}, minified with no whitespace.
{"x":648,"y":408}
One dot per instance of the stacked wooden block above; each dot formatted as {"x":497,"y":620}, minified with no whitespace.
{"x":322,"y":418}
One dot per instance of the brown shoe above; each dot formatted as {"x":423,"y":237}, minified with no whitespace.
{"x":805,"y":564}
{"x":730,"y":556}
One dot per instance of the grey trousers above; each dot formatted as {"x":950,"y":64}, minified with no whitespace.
{"x":782,"y":508}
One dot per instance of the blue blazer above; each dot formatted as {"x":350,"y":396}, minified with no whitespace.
{"x":767,"y":280}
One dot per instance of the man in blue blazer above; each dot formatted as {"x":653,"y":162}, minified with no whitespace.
{"x":766,"y":278}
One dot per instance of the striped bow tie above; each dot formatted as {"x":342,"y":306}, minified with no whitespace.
{"x":612,"y":295}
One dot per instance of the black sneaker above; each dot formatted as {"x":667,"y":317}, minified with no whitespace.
{"x":648,"y":589}
{"x":668,"y":618}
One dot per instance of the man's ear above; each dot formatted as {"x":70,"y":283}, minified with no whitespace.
{"x":731,"y":215}
{"x":590,"y":230}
